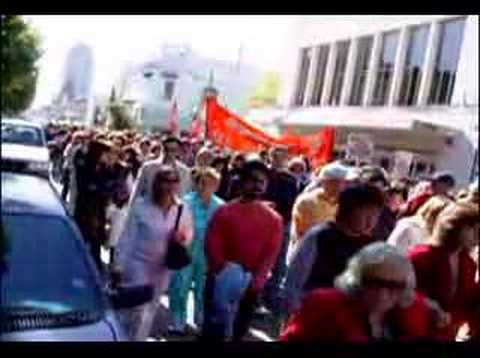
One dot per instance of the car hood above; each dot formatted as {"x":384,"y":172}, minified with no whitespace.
{"x":25,"y":153}
{"x":106,"y":330}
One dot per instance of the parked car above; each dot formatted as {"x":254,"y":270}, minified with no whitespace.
{"x":24,"y":147}
{"x":50,"y":287}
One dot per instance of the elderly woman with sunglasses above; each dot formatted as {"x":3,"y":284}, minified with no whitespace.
{"x":142,"y":247}
{"x":373,"y":299}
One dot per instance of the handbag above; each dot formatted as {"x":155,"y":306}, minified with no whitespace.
{"x":177,"y":255}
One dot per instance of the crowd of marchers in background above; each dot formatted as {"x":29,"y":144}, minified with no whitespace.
{"x":337,"y":253}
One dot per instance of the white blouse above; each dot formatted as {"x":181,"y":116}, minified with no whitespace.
{"x":142,"y":245}
{"x":407,"y":233}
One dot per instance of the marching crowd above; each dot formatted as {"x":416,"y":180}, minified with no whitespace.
{"x":336,"y":254}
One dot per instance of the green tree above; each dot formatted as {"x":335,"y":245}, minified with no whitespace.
{"x":118,"y":117}
{"x":267,"y":91}
{"x":20,"y":52}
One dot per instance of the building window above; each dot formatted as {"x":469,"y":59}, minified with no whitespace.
{"x":168,"y":90}
{"x":306,"y":55}
{"x":339,"y":72}
{"x":413,"y":65}
{"x":385,"y":68}
{"x":444,"y":74}
{"x":361,"y":69}
{"x":323,"y":52}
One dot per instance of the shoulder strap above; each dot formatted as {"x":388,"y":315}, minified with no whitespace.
{"x":179,"y":215}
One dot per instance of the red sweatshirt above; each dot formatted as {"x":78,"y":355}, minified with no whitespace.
{"x":329,"y":315}
{"x":249,"y":234}
{"x":434,"y":280}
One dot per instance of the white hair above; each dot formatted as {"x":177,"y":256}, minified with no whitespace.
{"x":351,"y":280}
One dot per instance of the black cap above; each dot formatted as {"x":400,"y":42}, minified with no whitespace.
{"x":252,"y":164}
{"x":444,"y":177}
{"x":171,"y":139}
{"x":373,"y":173}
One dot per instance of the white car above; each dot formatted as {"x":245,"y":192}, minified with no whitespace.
{"x":24,"y":148}
{"x":51,"y":288}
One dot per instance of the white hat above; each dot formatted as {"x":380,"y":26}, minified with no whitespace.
{"x":337,"y":171}
{"x":474,"y":187}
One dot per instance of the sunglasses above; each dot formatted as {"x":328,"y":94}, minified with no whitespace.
{"x":170,"y":180}
{"x":171,"y":149}
{"x":378,"y":282}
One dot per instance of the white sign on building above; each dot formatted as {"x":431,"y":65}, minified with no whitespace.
{"x":359,"y":147}
{"x":402,"y":162}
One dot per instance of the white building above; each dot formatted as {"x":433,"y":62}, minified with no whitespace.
{"x":410,"y":82}
{"x":180,"y":74}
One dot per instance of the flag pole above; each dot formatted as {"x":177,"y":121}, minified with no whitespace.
{"x":210,"y":93}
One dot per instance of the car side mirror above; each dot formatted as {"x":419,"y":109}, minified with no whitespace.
{"x":129,"y":297}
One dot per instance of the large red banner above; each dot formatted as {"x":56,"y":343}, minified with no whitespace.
{"x":226,"y":129}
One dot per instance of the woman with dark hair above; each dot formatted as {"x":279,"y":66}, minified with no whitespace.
{"x":444,"y":268}
{"x":95,"y":190}
{"x":326,"y":248}
{"x":131,"y":157}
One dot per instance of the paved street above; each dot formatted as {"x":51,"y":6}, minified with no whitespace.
{"x":260,"y":331}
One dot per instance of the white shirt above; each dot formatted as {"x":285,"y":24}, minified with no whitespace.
{"x":408,"y":232}
{"x":117,"y":217}
{"x":142,"y":245}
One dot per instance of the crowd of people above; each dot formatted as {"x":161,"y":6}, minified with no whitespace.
{"x":335,"y":254}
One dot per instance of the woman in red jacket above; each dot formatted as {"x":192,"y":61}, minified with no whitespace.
{"x":373,"y":299}
{"x":444,"y":268}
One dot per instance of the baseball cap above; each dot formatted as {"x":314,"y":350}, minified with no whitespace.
{"x":254,"y":163}
{"x":337,"y":171}
{"x":372,"y":174}
{"x":444,"y":177}
{"x":473,"y":187}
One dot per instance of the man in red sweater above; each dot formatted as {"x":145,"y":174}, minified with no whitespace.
{"x":247,"y":232}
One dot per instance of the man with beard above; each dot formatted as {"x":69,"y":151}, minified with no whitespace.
{"x":244,"y":236}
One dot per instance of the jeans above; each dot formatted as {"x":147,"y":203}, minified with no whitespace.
{"x":273,"y":286}
{"x":227,"y":310}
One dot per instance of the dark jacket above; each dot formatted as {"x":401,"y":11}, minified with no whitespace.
{"x":320,"y":257}
{"x":385,"y":225}
{"x":282,"y":191}
{"x":234,"y":189}
{"x":96,"y":186}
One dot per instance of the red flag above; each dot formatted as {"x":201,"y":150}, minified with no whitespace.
{"x":229,"y":130}
{"x":226,"y":129}
{"x":322,"y":152}
{"x":173,"y":119}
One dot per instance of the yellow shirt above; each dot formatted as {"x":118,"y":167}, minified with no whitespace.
{"x":311,"y":208}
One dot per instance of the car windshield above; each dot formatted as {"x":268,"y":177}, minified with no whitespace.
{"x":46,"y":268}
{"x":19,"y":134}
